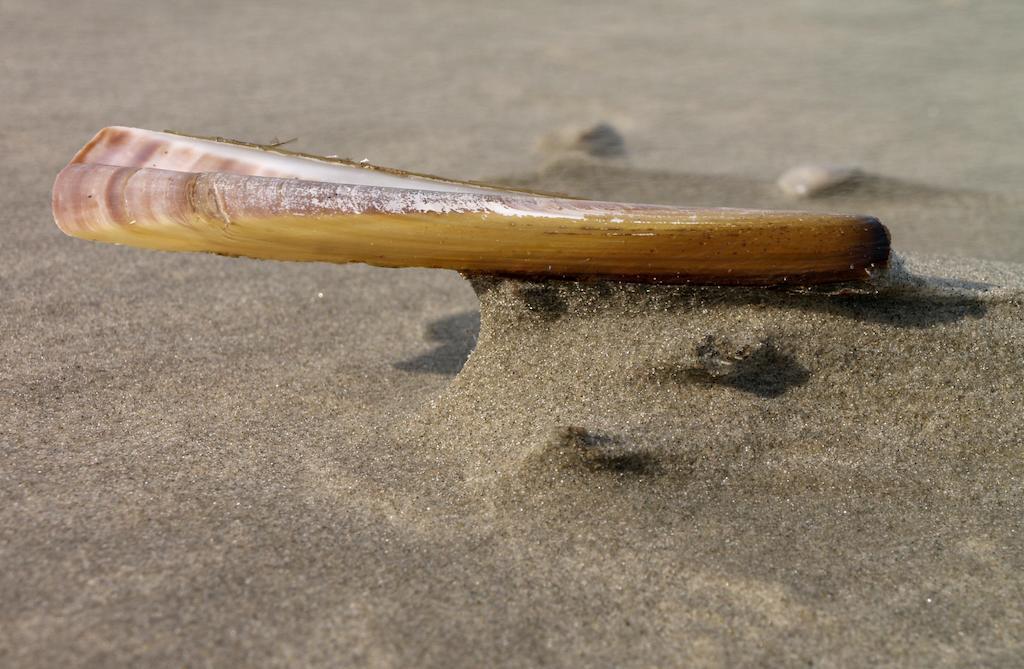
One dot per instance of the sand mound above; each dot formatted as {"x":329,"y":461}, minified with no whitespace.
{"x":699,"y":383}
{"x":837,"y":472}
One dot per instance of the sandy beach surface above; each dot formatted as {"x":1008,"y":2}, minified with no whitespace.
{"x":208,"y":461}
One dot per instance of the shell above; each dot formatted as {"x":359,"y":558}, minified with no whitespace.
{"x":134,"y":147}
{"x":170,"y":192}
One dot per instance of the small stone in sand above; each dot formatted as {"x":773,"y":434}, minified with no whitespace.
{"x":601,"y":141}
{"x":811,"y":180}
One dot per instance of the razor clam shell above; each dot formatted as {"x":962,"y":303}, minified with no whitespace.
{"x":136,"y":147}
{"x":478,"y":232}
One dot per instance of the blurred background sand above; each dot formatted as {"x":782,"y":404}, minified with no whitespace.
{"x":198,"y":456}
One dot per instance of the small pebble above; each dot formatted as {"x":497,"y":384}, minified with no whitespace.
{"x":806,"y":181}
{"x":601,"y":141}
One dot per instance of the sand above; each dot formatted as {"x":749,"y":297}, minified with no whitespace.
{"x":213,"y":461}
